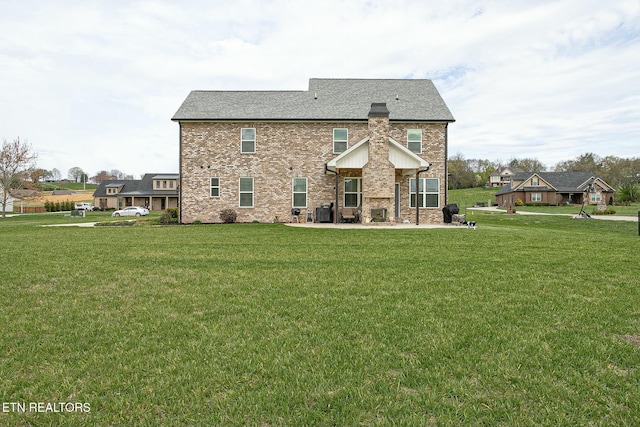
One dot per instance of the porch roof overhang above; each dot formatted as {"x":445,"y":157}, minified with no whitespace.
{"x":358,"y":155}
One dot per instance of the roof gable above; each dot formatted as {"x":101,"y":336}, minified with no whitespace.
{"x":358,"y":155}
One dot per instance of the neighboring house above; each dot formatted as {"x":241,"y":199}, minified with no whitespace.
{"x":343,"y":143}
{"x":555,"y":188}
{"x":155,"y":190}
{"x":502,"y":176}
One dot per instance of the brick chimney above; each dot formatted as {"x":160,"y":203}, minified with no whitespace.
{"x":378,"y":175}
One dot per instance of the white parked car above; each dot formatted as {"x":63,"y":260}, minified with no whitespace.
{"x":83,"y":206}
{"x":131,"y":211}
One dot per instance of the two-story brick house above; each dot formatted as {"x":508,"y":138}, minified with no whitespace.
{"x":346,"y":143}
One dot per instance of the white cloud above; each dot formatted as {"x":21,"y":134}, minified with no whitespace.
{"x":94,"y":84}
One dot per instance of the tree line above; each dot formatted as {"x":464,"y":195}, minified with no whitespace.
{"x":616,"y":171}
{"x":77,"y":174}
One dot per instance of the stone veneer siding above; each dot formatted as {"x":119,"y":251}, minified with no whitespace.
{"x":285,"y":150}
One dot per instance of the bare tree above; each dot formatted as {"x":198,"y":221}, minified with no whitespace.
{"x":56,"y":175}
{"x":75,"y":174}
{"x":102,"y":175}
{"x":16,"y":159}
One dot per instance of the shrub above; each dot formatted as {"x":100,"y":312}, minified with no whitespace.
{"x":538,"y":204}
{"x":608,"y":211}
{"x":519,"y":202}
{"x":169,"y":216}
{"x":228,"y":216}
{"x":174,"y":212}
{"x":629,"y":193}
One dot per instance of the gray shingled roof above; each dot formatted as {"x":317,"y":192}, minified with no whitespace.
{"x":563,"y":182}
{"x":567,"y":181}
{"x":136,"y":187}
{"x":326,"y":99}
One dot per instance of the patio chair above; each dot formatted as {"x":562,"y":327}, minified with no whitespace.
{"x":348,"y":214}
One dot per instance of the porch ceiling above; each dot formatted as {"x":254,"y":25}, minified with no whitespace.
{"x":358,"y":155}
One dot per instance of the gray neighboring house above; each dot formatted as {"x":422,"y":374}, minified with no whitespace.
{"x":341,"y":146}
{"x":156,"y":191}
{"x":555,"y":188}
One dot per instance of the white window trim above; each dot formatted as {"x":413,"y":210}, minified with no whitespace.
{"x":416,"y":152}
{"x":211,"y":186}
{"x":346,"y":141}
{"x":252,"y":192}
{"x":358,"y":192}
{"x":293,"y":192}
{"x":537,"y":198}
{"x":255,"y":143}
{"x":424,"y":193}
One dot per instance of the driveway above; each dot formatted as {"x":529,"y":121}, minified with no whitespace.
{"x":602,"y":217}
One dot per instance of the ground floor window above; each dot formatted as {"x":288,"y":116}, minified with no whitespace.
{"x":595,"y":197}
{"x":536,"y":197}
{"x":352,"y":192}
{"x":246,"y":192}
{"x":428,"y":192}
{"x":299,"y":190}
{"x":214,"y":186}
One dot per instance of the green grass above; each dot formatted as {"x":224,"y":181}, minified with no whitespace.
{"x":65,"y":185}
{"x":468,"y":197}
{"x":528,"y":320}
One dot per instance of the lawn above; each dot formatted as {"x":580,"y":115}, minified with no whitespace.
{"x":528,"y":320}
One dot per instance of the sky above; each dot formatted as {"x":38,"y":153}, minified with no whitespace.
{"x":94,"y":83}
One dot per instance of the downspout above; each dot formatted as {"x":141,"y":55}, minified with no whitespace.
{"x":335,"y":215}
{"x":180,"y":175}
{"x":446,"y":163}
{"x":418,"y":172}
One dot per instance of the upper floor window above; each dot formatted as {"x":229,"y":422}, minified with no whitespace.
{"x":414,"y":140}
{"x":535,"y":181}
{"x":299,"y":190}
{"x":158,"y":184}
{"x":340,"y":140}
{"x":248,"y":143}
